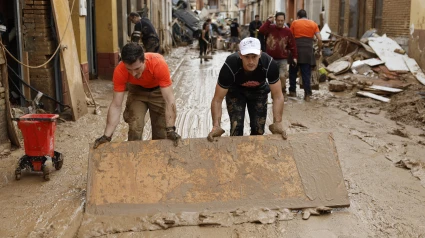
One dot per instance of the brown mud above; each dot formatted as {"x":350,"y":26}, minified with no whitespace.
{"x":386,"y":201}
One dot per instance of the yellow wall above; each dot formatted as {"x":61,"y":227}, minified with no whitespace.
{"x":79,"y":24}
{"x":106,"y":26}
{"x":417,"y":14}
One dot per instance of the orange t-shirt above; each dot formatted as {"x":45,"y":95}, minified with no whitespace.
{"x":156,"y":74}
{"x":304,"y":28}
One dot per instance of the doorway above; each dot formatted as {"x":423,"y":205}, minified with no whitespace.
{"x":10,"y":17}
{"x":91,"y":39}
{"x":357,"y":18}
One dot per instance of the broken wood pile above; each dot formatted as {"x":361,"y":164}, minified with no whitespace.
{"x":379,"y":67}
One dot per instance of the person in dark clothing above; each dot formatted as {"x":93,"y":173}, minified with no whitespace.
{"x":204,"y":39}
{"x":254,"y":27}
{"x":145,"y":31}
{"x":304,"y":31}
{"x":235,"y":32}
{"x":245,"y":79}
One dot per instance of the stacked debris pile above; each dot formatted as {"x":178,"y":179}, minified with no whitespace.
{"x":376,"y":67}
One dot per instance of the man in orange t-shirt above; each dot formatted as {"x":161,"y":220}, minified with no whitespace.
{"x":304,"y":31}
{"x":149,"y":88}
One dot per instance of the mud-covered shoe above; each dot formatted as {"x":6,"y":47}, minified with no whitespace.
{"x":307,"y":98}
{"x":292,"y":94}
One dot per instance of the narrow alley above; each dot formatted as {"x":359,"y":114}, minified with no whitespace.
{"x":385,"y":200}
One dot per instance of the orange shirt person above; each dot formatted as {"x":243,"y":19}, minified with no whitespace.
{"x":304,"y":31}
{"x":149,"y":88}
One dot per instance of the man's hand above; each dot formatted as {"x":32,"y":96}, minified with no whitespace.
{"x":295,"y":62}
{"x":101,"y":140}
{"x":271,"y":18}
{"x":215,"y":132}
{"x":276,"y":128}
{"x":172,"y":135}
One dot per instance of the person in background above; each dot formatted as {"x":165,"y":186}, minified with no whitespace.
{"x":254,"y":27}
{"x":144,"y":30}
{"x":204,"y":39}
{"x":304,"y":31}
{"x":235,"y":33}
{"x":280,"y":43}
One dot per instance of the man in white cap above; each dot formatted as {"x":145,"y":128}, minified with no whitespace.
{"x":245,"y":79}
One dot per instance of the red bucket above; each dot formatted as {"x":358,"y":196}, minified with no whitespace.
{"x":38,"y":131}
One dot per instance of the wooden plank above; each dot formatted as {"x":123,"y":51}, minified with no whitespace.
{"x":146,"y":177}
{"x":373,"y":62}
{"x":69,"y":55}
{"x":373,"y":96}
{"x":11,"y":129}
{"x":384,"y":48}
{"x":27,"y":90}
{"x":415,"y":69}
{"x":386,"y":89}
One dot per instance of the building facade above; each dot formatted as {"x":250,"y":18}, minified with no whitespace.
{"x":417,"y":32}
{"x":353,"y":17}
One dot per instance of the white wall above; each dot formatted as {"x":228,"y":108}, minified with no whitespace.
{"x":280,"y":5}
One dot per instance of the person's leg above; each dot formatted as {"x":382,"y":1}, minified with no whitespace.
{"x":134,"y":115}
{"x":293,"y":72}
{"x":156,"y":105}
{"x":152,"y":45}
{"x":201,"y":49}
{"x":236,"y":103}
{"x":283,"y":73}
{"x":306,"y":77}
{"x":257,"y":109}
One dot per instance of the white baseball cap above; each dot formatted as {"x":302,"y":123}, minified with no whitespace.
{"x":250,"y":45}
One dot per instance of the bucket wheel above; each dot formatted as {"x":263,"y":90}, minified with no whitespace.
{"x":18,"y":173}
{"x":58,"y":160}
{"x":46,"y":173}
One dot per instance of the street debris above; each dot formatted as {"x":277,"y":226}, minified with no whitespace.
{"x":375,"y":66}
{"x":415,"y":167}
{"x":373,"y":96}
{"x":317,"y":211}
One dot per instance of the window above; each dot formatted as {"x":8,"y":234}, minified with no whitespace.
{"x":377,"y":20}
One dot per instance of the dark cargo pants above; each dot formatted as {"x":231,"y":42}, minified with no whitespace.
{"x":139,"y":101}
{"x":237,"y":99}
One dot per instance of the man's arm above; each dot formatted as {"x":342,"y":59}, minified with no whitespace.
{"x":278,"y":101}
{"x":216,"y":112}
{"x":114,"y":113}
{"x":319,"y":40}
{"x":292,"y":46}
{"x":265,"y":28}
{"x":170,"y":106}
{"x":216,"y":102}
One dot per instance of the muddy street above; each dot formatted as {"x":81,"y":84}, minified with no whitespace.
{"x":385,"y":200}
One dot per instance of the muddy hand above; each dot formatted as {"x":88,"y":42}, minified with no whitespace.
{"x":173,"y":135}
{"x":307,"y":212}
{"x":101,"y":140}
{"x":276,"y":128}
{"x":215,"y":132}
